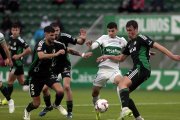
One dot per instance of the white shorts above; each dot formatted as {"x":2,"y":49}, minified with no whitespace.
{"x":105,"y":74}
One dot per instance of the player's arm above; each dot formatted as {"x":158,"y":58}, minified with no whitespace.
{"x":43,"y":55}
{"x":166,"y":51}
{"x":6,"y":54}
{"x":83,"y":55}
{"x":82,"y":37}
{"x":24,"y":53}
{"x":120,"y":58}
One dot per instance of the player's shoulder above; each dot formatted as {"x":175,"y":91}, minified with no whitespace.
{"x":21,"y":39}
{"x":65,"y":35}
{"x":142,"y":36}
{"x":41,"y":43}
{"x":121,"y":39}
{"x":59,"y":43}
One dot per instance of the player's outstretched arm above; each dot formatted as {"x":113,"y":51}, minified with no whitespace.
{"x":166,"y":51}
{"x":83,"y":55}
{"x":120,"y":58}
{"x":25,"y":52}
{"x":43,"y":55}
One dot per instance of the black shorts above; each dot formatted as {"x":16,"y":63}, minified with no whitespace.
{"x":17,"y":70}
{"x":37,"y":84}
{"x":137,"y":76}
{"x":65,"y":71}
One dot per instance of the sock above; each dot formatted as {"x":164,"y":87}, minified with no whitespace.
{"x":69,"y":106}
{"x":47,"y":100}
{"x":4,"y":91}
{"x":124,"y":94}
{"x":132,"y":106}
{"x":95,"y":99}
{"x":10,"y":89}
{"x":58,"y":99}
{"x":30,"y":107}
{"x":118,"y":94}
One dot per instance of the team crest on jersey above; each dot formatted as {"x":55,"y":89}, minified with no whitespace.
{"x":45,"y":51}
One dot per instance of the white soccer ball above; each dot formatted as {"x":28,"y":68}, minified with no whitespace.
{"x":102,"y":105}
{"x":25,"y":88}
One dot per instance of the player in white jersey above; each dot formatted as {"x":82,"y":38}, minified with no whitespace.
{"x":110,"y":44}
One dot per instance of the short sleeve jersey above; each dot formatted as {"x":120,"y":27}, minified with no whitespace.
{"x":111,"y":46}
{"x":2,"y":39}
{"x":16,"y":47}
{"x":2,"y":52}
{"x":139,"y":48}
{"x":42,"y":68}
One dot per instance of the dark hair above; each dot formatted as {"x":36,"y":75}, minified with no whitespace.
{"x":112,"y":25}
{"x":49,"y":29}
{"x":132,"y":23}
{"x":54,"y":24}
{"x":16,"y":25}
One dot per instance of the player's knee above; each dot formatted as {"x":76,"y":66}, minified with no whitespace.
{"x":95,"y":93}
{"x":67,"y":88}
{"x":36,"y":104}
{"x":60,"y":92}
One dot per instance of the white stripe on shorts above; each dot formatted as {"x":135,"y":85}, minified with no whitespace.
{"x":133,"y":74}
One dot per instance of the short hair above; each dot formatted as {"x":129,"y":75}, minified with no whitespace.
{"x":132,"y":23}
{"x":16,"y":25}
{"x":112,"y":25}
{"x":49,"y":29}
{"x":54,"y":24}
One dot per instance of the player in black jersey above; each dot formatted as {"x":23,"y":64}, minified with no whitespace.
{"x":18,"y":49}
{"x":63,"y":66}
{"x":7,"y":61}
{"x":138,"y":47}
{"x":40,"y":71}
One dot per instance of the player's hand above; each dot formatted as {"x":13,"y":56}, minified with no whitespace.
{"x":60,"y":52}
{"x":87,"y":55}
{"x":16,"y":57}
{"x":176,"y":57}
{"x":6,"y":62}
{"x":102,"y":58}
{"x":89,"y":43}
{"x":83,"y":34}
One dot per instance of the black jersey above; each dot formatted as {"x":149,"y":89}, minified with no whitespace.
{"x":42,"y":68}
{"x":16,"y":47}
{"x":139,"y":48}
{"x":66,"y":39}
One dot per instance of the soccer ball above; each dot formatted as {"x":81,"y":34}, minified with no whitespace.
{"x":102,"y":105}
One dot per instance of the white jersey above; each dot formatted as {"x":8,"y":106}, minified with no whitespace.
{"x":111,"y":46}
{"x":2,"y":38}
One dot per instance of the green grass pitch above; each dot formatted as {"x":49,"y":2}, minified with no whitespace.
{"x":153,"y":105}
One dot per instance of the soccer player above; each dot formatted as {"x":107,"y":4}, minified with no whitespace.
{"x":63,"y":67}
{"x":110,"y":44}
{"x":7,"y":60}
{"x":40,"y":71}
{"x":138,"y":47}
{"x":18,"y":49}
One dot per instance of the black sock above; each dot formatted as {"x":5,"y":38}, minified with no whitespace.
{"x":69,"y":106}
{"x":47,"y":100}
{"x":59,"y":98}
{"x":30,"y":107}
{"x":10,"y":89}
{"x":4,"y":91}
{"x":132,"y":106}
{"x":124,"y":94}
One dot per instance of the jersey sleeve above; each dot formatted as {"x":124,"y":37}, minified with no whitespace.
{"x":146,"y":40}
{"x":100,"y":40}
{"x":2,"y":39}
{"x":124,"y":41}
{"x":40,"y":46}
{"x":126,"y":50}
{"x":68,"y":38}
{"x":23,"y":43}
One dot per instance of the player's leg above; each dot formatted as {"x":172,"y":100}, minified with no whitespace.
{"x":4,"y":91}
{"x":47,"y":100}
{"x":57,"y":87}
{"x":36,"y":86}
{"x":69,"y":98}
{"x":12,"y":77}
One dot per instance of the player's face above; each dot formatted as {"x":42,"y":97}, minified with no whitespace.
{"x":15,"y":32}
{"x":132,"y":32}
{"x":57,"y":31}
{"x":112,"y":32}
{"x":50,"y":37}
